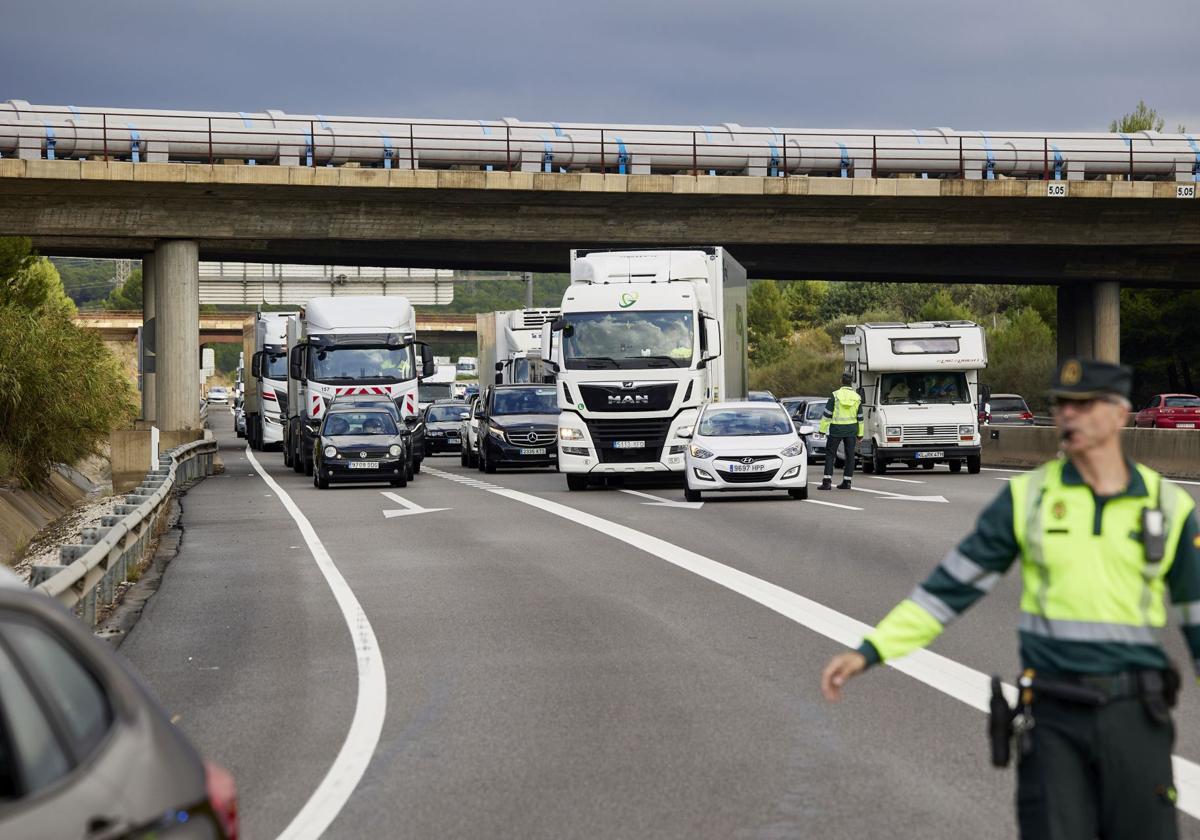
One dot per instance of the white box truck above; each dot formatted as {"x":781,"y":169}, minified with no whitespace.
{"x":439,"y":386}
{"x":265,"y":395}
{"x":645,"y":338}
{"x":510,"y":344}
{"x":353,"y":345}
{"x":920,"y":388}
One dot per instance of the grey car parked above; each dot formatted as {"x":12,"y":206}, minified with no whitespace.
{"x":84,"y":750}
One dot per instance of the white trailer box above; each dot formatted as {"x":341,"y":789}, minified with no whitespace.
{"x":920,"y":388}
{"x":510,"y":345}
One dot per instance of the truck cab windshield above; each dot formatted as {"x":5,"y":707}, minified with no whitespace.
{"x":593,"y":340}
{"x":923,"y":388}
{"x":275,"y":365}
{"x":360,"y":364}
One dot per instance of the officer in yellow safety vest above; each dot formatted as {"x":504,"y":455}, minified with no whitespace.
{"x":842,"y":423}
{"x":1100,"y":540}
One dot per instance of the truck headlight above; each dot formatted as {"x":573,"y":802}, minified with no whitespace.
{"x":395,"y":450}
{"x":570,"y":434}
{"x":966,"y":431}
{"x":794,"y":450}
{"x":330,"y":451}
{"x":892,"y":431}
{"x":699,"y":452}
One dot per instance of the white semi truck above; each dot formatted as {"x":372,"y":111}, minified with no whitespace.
{"x":265,"y":394}
{"x":510,"y":344}
{"x":354,"y":345}
{"x":644,"y":339}
{"x":920,"y":389}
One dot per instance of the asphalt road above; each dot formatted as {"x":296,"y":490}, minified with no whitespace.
{"x":551,"y":674}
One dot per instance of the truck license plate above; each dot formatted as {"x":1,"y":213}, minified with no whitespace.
{"x":629,"y":444}
{"x":747,"y":468}
{"x":364,"y":465}
{"x":931,"y":454}
{"x":538,"y":451}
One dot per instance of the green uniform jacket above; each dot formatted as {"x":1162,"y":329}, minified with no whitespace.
{"x":843,"y":415}
{"x":1090,"y":601}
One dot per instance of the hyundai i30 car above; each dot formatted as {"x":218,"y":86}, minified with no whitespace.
{"x":742,"y":446}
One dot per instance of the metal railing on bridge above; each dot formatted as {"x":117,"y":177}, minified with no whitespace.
{"x":276,"y":138}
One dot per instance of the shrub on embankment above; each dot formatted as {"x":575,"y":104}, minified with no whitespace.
{"x":61,"y":390}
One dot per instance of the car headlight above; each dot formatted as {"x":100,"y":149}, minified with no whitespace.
{"x":570,"y":434}
{"x":495,"y":431}
{"x":793,"y":450}
{"x":892,"y":431}
{"x":964,"y":431}
{"x":699,"y":452}
{"x":685,"y":431}
{"x":330,"y":451}
{"x":395,"y":450}
{"x":312,"y":426}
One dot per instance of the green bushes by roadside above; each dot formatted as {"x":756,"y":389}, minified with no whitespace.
{"x":61,"y":390}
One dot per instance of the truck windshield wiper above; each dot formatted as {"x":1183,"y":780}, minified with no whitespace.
{"x":674,"y":362}
{"x":608,"y":359}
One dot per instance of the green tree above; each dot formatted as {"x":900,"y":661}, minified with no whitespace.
{"x":128,"y":296}
{"x":810,"y":364}
{"x":1143,"y":118}
{"x":28,"y":281}
{"x":804,"y":300}
{"x":768,"y":323}
{"x":1021,"y":358}
{"x":941,"y":307}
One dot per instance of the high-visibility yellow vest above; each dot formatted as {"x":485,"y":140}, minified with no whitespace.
{"x":846,"y":403}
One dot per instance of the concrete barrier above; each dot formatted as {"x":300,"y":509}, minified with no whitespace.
{"x":1172,"y":452}
{"x":130,"y":453}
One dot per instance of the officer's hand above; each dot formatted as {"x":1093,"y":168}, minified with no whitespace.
{"x":840,"y":669}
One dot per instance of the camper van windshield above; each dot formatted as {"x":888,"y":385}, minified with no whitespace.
{"x":923,"y":388}
{"x":360,"y":364}
{"x":628,"y":339}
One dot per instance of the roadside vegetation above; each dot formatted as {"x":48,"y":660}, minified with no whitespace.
{"x":61,"y":390}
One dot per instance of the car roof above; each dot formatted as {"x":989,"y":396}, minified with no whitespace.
{"x":1008,"y":396}
{"x":512,"y":386}
{"x":755,"y":404}
{"x":359,"y":405}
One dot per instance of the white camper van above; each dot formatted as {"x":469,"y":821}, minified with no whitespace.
{"x":920,"y":388}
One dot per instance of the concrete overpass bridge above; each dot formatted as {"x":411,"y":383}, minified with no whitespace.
{"x":1085,"y":212}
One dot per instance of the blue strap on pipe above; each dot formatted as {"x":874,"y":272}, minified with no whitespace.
{"x":707,"y":134}
{"x":773,"y":165}
{"x":989,"y":168}
{"x":920,"y":142}
{"x":325,"y":125}
{"x":135,"y":145}
{"x":845,"y":164}
{"x":547,"y":155}
{"x":1127,"y":139}
{"x":622,"y":157}
{"x":246,"y":121}
{"x":1058,"y":162}
{"x":387,"y":151}
{"x":73,"y":110}
{"x":487,"y":129}
{"x":1196,"y":151}
{"x":308,"y":151}
{"x":50,"y":142}
{"x":558,"y":132}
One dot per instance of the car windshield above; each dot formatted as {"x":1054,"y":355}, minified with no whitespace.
{"x":427,"y":392}
{"x":1008,"y":404}
{"x":359,"y":423}
{"x":923,"y":388}
{"x":739,"y":422}
{"x":445,"y":413}
{"x":360,"y":364}
{"x":627,"y":339}
{"x":526,"y":401}
{"x":275,"y":365}
{"x":1183,"y":402}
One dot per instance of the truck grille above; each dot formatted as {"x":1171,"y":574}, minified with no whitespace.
{"x":607,"y":432}
{"x":929,"y":434}
{"x":638,"y":398}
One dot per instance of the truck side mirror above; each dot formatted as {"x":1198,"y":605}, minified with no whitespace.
{"x":428,"y":365}
{"x":712,"y":335}
{"x":256,"y":364}
{"x":295,"y":363}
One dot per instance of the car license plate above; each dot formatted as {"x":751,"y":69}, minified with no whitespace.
{"x":931,"y":455}
{"x":364,"y":465}
{"x":538,"y":451}
{"x":629,"y":444}
{"x":740,"y":468}
{"x":1185,"y":425}
{"x":452,"y":440}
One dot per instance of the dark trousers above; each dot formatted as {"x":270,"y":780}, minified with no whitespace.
{"x":831,"y":449}
{"x":1097,"y":773}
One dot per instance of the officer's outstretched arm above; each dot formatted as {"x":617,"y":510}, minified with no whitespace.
{"x":1183,"y":578}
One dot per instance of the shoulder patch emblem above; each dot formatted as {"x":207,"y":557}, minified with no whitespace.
{"x":1072,"y":372}
{"x":1196,"y":541}
{"x":1059,"y":510}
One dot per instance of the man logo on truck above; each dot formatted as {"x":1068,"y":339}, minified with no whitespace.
{"x":628,"y":399}
{"x":628,"y":299}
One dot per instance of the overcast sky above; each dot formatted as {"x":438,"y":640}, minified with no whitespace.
{"x":998,"y":65}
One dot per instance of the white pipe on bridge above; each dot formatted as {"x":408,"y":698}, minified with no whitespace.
{"x":273,"y":137}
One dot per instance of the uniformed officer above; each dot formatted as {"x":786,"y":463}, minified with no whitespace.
{"x":842,"y":423}
{"x":1100,"y":539}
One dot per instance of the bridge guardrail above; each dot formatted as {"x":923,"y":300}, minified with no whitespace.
{"x":90,"y":572}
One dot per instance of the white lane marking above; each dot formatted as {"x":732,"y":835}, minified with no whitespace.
{"x":832,"y":504}
{"x":947,"y":676}
{"x":410,"y":508}
{"x":893,"y":495}
{"x":998,"y":469}
{"x":352,"y":759}
{"x":893,"y":478}
{"x":658,"y":501}
{"x":1002,"y":477}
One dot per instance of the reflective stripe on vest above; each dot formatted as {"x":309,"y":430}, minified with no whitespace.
{"x":1083,"y":586}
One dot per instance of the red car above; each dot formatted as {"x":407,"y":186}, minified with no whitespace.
{"x":1170,"y":411}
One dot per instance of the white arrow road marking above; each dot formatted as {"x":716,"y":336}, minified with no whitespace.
{"x":891,"y":495}
{"x":410,"y":508}
{"x":658,"y":501}
{"x":952,"y":678}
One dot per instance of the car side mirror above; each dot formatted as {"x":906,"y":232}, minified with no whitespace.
{"x":684,"y":434}
{"x":464,"y":416}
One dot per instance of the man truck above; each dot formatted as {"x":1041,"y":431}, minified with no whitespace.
{"x":920,"y":389}
{"x":644,"y":339}
{"x":510,"y":345}
{"x":264,"y":399}
{"x":353,"y":345}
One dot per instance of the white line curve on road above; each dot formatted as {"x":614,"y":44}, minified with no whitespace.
{"x":352,"y":759}
{"x":952,"y":678}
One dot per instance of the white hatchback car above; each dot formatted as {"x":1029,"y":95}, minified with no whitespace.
{"x":741,"y":446}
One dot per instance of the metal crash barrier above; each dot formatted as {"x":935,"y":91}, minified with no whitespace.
{"x":89,"y":574}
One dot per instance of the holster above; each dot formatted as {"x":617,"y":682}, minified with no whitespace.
{"x":1000,"y":725}
{"x":1159,"y":691}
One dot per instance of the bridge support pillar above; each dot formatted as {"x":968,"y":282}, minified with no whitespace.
{"x":1089,"y":321}
{"x":177,"y":339}
{"x":149,"y":295}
